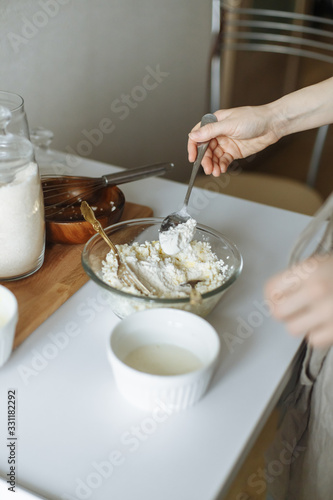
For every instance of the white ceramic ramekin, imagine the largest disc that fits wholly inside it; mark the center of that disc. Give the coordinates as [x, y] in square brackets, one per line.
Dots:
[163, 326]
[8, 321]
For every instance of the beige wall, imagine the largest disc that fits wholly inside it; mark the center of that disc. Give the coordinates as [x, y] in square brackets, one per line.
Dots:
[134, 69]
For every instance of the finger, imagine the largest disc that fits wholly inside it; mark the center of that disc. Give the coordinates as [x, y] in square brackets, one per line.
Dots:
[220, 158]
[208, 160]
[206, 133]
[293, 278]
[196, 127]
[306, 295]
[281, 284]
[211, 161]
[220, 164]
[192, 146]
[293, 305]
[320, 313]
[281, 292]
[229, 145]
[225, 161]
[216, 170]
[192, 150]
[207, 164]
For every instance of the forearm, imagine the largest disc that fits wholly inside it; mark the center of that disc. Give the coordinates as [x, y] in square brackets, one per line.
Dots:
[307, 108]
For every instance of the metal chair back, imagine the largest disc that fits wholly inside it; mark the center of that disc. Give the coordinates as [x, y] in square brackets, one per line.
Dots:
[297, 35]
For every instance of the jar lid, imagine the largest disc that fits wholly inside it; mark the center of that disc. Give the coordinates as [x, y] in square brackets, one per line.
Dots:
[41, 137]
[15, 151]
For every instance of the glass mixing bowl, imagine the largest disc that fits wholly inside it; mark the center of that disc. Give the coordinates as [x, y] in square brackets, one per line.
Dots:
[142, 230]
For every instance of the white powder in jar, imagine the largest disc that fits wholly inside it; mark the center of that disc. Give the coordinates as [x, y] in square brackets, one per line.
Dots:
[22, 227]
[165, 273]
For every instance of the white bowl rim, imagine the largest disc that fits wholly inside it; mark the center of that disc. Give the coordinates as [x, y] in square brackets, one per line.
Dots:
[159, 300]
[172, 378]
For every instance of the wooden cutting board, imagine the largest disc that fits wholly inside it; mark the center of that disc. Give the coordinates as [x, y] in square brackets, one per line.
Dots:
[60, 276]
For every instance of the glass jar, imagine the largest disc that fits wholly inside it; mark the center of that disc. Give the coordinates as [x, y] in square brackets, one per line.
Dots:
[19, 123]
[22, 225]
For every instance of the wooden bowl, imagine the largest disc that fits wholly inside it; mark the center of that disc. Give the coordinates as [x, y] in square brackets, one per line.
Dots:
[69, 227]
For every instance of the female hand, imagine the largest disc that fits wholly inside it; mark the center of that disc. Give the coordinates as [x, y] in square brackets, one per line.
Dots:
[302, 297]
[243, 131]
[239, 132]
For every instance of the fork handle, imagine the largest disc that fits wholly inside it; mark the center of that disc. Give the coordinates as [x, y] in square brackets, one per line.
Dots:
[99, 229]
[202, 147]
[89, 216]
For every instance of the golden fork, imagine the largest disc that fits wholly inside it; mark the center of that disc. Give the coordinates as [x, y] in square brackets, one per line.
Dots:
[126, 274]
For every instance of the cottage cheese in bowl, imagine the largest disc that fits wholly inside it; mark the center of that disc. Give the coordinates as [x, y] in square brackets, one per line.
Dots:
[177, 238]
[167, 273]
[210, 258]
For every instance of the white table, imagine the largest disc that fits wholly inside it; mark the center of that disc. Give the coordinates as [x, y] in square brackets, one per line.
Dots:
[72, 424]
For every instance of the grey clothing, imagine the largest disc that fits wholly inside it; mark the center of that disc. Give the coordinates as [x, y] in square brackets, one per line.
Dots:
[300, 462]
